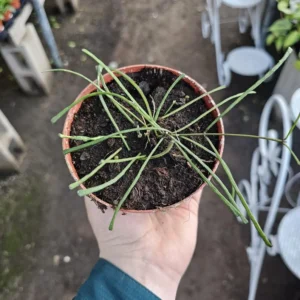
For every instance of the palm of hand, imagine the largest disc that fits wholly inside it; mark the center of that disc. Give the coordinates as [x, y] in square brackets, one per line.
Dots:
[143, 244]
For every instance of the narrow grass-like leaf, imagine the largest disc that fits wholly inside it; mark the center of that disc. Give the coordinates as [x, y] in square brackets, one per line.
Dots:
[193, 101]
[126, 194]
[104, 138]
[170, 107]
[126, 159]
[106, 109]
[80, 138]
[210, 110]
[209, 183]
[100, 187]
[166, 96]
[240, 195]
[292, 153]
[123, 110]
[214, 176]
[86, 177]
[66, 109]
[74, 73]
[251, 136]
[166, 151]
[253, 87]
[135, 85]
[293, 127]
[133, 101]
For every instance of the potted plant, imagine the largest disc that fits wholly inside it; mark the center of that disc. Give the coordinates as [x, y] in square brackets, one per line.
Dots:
[145, 137]
[284, 33]
[7, 10]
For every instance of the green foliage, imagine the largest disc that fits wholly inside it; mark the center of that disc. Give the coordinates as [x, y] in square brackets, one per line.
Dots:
[151, 125]
[5, 5]
[285, 32]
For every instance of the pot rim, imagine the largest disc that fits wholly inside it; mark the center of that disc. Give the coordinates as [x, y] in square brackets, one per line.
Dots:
[134, 69]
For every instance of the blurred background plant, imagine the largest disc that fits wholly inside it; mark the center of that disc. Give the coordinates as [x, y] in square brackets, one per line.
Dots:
[285, 32]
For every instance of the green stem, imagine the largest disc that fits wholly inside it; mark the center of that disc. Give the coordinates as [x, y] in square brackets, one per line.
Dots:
[100, 187]
[170, 107]
[166, 96]
[116, 103]
[86, 177]
[253, 87]
[231, 134]
[106, 109]
[209, 111]
[193, 101]
[209, 183]
[293, 127]
[133, 83]
[241, 197]
[126, 194]
[102, 138]
[135, 104]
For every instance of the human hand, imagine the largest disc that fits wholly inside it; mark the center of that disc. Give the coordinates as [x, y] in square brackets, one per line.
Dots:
[153, 248]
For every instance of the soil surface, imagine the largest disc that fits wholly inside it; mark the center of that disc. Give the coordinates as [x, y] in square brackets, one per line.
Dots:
[165, 180]
[164, 32]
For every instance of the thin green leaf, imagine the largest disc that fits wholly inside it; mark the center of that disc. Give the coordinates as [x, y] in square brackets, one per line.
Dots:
[74, 73]
[97, 169]
[126, 194]
[240, 195]
[66, 109]
[133, 83]
[81, 138]
[104, 138]
[133, 101]
[193, 101]
[232, 134]
[214, 176]
[100, 187]
[166, 95]
[122, 109]
[209, 183]
[292, 153]
[106, 109]
[253, 87]
[210, 110]
[293, 127]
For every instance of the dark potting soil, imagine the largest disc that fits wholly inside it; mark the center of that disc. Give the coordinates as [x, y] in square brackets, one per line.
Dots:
[166, 180]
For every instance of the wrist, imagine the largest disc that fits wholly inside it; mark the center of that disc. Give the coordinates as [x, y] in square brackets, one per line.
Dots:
[161, 282]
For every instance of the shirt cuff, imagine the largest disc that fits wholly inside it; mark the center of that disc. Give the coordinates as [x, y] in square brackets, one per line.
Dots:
[107, 282]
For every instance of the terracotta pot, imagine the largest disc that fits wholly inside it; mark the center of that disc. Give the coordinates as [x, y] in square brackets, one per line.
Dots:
[133, 69]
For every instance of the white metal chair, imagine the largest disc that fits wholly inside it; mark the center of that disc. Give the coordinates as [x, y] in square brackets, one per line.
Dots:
[271, 162]
[247, 61]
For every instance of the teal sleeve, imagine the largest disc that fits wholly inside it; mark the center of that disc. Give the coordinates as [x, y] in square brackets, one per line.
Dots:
[107, 282]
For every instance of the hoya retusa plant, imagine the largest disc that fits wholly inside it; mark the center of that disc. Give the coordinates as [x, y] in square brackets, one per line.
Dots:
[147, 121]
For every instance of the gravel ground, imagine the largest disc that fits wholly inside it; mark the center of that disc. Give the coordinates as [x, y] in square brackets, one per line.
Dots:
[163, 32]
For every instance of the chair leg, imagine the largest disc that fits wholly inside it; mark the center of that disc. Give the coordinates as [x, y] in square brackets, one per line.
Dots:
[61, 6]
[28, 61]
[11, 147]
